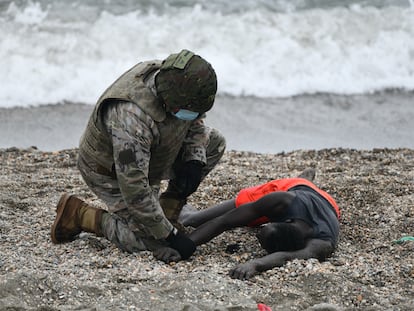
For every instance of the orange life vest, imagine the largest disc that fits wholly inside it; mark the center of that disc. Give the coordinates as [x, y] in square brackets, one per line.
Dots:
[252, 194]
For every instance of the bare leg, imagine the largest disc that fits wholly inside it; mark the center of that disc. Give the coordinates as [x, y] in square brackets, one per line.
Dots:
[308, 174]
[189, 216]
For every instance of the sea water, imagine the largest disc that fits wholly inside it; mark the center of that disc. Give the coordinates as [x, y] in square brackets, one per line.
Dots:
[57, 50]
[54, 51]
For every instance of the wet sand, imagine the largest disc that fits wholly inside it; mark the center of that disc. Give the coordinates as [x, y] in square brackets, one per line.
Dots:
[250, 124]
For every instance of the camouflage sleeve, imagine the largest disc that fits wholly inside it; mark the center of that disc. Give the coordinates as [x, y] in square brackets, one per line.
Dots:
[132, 134]
[196, 140]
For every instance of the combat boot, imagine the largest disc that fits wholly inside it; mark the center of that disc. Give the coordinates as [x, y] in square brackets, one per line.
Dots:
[172, 205]
[74, 216]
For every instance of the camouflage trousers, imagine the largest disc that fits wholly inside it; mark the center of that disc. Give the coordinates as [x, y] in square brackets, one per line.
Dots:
[117, 225]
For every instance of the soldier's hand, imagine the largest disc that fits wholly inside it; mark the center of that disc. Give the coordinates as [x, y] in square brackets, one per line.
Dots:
[188, 177]
[180, 242]
[167, 254]
[244, 271]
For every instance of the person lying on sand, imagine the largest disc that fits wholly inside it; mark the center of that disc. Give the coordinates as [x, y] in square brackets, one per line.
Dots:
[298, 220]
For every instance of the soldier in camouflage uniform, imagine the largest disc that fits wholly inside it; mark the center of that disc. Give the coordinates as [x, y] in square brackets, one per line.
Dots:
[147, 126]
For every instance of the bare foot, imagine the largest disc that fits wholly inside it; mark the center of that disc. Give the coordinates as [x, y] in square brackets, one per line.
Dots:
[185, 217]
[308, 174]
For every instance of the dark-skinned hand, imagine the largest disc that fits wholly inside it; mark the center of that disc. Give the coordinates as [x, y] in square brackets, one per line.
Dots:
[244, 271]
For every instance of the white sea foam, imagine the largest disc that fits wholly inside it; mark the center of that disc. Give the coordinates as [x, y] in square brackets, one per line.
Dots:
[47, 57]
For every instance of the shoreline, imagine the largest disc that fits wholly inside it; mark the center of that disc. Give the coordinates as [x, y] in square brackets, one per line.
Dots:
[264, 125]
[368, 271]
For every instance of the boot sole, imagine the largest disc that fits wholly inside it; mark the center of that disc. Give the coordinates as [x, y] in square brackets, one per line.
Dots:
[60, 208]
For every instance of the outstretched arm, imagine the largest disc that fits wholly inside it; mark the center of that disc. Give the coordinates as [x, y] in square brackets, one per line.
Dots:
[270, 205]
[315, 248]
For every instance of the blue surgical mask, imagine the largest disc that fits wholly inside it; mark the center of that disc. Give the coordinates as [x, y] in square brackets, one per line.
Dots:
[186, 115]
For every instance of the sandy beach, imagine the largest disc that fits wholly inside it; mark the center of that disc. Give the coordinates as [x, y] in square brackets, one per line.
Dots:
[323, 84]
[368, 270]
[380, 120]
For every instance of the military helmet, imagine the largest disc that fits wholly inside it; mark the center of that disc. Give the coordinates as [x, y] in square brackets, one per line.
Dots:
[187, 81]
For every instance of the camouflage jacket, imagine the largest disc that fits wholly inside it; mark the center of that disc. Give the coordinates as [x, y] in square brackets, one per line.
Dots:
[144, 157]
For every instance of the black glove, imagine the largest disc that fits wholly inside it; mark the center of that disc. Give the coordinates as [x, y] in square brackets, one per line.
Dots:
[180, 242]
[167, 254]
[188, 178]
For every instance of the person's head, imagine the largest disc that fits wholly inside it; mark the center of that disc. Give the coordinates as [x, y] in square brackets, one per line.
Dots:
[186, 81]
[276, 237]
